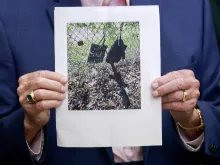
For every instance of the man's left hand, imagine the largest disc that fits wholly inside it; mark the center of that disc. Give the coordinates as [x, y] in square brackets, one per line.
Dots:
[171, 88]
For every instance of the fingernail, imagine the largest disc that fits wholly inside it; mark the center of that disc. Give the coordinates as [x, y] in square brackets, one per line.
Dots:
[64, 79]
[155, 93]
[155, 85]
[64, 88]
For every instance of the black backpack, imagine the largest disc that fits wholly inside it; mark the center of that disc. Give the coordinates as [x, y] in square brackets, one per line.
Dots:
[97, 51]
[117, 51]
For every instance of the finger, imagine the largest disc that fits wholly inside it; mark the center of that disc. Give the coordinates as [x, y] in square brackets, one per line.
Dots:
[41, 83]
[44, 83]
[47, 104]
[178, 96]
[45, 74]
[41, 106]
[43, 94]
[172, 76]
[23, 92]
[21, 89]
[180, 106]
[172, 86]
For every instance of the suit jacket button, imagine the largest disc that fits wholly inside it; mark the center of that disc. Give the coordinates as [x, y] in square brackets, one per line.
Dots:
[213, 148]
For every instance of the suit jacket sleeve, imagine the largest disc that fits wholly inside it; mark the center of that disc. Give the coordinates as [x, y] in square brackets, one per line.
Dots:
[208, 72]
[12, 140]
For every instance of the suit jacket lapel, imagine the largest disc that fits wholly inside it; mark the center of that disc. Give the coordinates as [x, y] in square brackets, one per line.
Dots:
[110, 154]
[145, 151]
[60, 3]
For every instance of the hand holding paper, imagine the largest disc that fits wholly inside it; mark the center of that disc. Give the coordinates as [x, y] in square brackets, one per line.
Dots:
[47, 90]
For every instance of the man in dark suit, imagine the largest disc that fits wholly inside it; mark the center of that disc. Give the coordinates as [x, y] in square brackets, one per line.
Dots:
[189, 87]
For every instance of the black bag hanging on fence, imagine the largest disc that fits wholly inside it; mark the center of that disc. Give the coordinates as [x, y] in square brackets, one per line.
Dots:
[97, 51]
[117, 51]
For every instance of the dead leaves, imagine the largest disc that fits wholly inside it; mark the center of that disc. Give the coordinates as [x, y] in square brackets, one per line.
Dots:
[96, 88]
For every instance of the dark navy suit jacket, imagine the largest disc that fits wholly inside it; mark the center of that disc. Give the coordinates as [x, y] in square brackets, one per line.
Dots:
[27, 44]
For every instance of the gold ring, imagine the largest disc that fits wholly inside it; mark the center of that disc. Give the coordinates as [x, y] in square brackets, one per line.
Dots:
[30, 98]
[184, 95]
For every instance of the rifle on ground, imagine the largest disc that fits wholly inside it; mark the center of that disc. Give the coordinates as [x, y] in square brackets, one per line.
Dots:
[122, 85]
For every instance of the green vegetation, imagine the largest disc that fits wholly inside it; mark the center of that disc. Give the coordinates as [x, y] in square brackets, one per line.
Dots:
[93, 33]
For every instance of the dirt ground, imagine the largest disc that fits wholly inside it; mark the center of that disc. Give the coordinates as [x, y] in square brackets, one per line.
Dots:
[96, 89]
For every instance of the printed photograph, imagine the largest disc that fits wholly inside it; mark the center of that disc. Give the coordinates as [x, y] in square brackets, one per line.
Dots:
[104, 66]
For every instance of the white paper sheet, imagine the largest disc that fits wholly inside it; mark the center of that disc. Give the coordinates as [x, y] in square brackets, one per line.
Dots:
[115, 128]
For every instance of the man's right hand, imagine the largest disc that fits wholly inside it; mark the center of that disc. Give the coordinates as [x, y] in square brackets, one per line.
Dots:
[49, 92]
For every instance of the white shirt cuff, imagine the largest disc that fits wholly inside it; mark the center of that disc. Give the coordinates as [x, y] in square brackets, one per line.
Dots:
[193, 145]
[36, 147]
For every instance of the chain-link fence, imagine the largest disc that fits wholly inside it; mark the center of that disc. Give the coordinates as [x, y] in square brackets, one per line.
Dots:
[90, 83]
